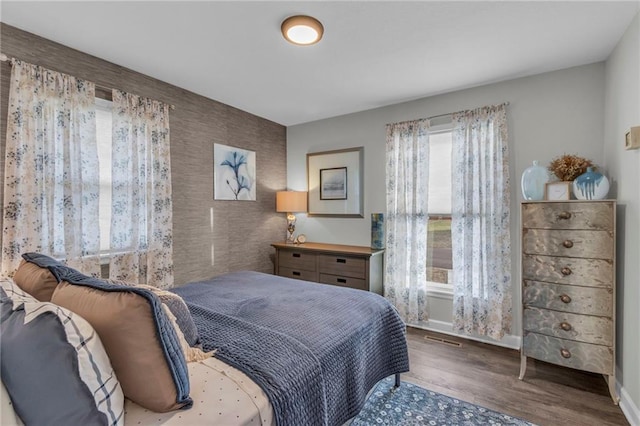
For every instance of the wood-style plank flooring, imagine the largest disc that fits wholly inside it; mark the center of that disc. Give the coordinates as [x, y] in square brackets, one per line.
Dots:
[487, 375]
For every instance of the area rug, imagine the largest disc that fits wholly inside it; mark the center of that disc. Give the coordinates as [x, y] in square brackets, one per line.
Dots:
[411, 405]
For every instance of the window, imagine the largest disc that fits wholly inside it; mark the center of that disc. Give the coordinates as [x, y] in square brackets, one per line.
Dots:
[103, 136]
[439, 262]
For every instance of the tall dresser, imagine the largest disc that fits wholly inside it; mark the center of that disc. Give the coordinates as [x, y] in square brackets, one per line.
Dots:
[568, 285]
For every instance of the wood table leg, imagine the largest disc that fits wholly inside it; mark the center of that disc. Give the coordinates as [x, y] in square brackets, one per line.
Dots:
[523, 366]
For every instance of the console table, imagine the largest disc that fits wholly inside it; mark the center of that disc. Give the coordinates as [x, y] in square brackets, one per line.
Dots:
[347, 266]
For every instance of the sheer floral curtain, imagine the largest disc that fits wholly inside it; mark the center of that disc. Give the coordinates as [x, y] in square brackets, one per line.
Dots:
[141, 218]
[480, 223]
[51, 182]
[407, 157]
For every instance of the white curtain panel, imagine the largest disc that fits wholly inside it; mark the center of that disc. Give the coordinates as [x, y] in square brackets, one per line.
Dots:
[480, 223]
[407, 157]
[141, 221]
[51, 181]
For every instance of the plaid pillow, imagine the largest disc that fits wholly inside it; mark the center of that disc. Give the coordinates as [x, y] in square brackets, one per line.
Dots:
[54, 365]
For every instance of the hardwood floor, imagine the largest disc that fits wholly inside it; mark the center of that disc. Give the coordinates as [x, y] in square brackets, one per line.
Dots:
[487, 375]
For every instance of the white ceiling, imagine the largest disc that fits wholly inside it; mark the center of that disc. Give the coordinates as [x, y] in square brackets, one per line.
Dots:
[372, 54]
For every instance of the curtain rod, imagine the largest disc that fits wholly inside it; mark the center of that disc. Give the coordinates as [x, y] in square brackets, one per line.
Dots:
[5, 58]
[444, 115]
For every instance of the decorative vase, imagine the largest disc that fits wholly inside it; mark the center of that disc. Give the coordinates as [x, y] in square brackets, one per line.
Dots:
[591, 185]
[377, 230]
[533, 180]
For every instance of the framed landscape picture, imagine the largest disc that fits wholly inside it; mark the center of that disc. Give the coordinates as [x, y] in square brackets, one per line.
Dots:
[336, 183]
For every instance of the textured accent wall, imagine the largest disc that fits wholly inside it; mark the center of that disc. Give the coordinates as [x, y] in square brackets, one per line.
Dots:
[210, 237]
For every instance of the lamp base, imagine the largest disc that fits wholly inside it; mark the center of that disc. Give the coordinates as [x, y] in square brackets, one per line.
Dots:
[291, 229]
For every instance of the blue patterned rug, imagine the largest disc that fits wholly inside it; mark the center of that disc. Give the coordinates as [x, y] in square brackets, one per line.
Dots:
[411, 405]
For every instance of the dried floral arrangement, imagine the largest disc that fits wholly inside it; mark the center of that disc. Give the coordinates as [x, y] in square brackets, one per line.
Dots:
[568, 167]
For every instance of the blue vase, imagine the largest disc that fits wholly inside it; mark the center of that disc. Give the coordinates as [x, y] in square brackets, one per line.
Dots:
[533, 180]
[377, 230]
[591, 185]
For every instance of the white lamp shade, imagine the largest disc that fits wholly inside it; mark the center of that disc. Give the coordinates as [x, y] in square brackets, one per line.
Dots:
[291, 201]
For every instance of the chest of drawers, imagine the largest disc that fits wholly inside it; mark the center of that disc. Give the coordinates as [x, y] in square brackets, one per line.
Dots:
[568, 285]
[346, 266]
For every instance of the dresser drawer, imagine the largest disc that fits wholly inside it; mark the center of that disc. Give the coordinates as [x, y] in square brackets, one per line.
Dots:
[581, 328]
[568, 298]
[585, 244]
[299, 274]
[592, 216]
[568, 270]
[342, 265]
[343, 281]
[297, 260]
[583, 356]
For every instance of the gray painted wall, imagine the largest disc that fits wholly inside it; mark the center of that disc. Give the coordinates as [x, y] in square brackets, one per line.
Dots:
[210, 237]
[622, 108]
[549, 114]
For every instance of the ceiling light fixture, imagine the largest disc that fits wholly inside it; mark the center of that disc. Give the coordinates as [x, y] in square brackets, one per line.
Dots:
[302, 30]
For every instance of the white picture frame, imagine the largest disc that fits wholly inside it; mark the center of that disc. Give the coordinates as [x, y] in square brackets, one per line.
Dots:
[557, 191]
[234, 173]
[343, 173]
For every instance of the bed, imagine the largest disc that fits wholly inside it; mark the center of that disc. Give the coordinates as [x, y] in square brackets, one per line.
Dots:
[287, 352]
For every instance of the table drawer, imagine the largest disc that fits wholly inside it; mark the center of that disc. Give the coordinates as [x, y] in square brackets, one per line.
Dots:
[346, 266]
[299, 274]
[568, 298]
[583, 356]
[585, 244]
[343, 281]
[297, 260]
[568, 270]
[581, 328]
[592, 216]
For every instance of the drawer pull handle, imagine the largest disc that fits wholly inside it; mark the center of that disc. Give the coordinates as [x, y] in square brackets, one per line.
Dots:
[341, 280]
[565, 353]
[566, 271]
[341, 260]
[567, 243]
[564, 215]
[565, 326]
[296, 273]
[565, 298]
[296, 254]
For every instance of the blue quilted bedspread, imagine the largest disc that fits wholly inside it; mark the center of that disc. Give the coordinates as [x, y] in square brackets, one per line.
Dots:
[316, 350]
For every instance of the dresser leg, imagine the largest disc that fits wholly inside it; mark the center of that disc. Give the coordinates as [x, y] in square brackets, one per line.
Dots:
[611, 381]
[523, 366]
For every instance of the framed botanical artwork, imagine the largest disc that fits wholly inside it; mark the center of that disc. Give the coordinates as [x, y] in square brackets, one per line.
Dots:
[554, 191]
[234, 173]
[336, 183]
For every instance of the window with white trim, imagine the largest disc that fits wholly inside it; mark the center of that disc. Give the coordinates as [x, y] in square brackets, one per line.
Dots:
[103, 136]
[439, 262]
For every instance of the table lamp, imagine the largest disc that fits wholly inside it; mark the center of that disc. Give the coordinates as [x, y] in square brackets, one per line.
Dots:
[291, 202]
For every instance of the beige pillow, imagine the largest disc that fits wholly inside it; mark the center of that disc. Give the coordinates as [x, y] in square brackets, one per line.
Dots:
[38, 282]
[124, 321]
[190, 354]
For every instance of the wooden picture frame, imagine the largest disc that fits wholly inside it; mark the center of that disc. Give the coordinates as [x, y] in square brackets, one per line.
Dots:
[342, 173]
[557, 191]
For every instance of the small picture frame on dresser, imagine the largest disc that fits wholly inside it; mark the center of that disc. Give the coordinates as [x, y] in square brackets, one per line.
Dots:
[557, 191]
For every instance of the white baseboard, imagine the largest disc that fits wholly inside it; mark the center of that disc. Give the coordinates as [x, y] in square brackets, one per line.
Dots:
[628, 407]
[509, 341]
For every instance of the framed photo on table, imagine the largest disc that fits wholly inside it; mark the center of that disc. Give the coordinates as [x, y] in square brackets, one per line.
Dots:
[336, 183]
[557, 191]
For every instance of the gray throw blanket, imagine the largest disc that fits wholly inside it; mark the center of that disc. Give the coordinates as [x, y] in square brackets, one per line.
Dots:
[316, 350]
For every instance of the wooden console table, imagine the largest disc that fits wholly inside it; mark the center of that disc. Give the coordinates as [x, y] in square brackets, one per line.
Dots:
[347, 266]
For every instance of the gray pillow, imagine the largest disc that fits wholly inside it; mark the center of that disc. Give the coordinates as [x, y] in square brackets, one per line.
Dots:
[53, 364]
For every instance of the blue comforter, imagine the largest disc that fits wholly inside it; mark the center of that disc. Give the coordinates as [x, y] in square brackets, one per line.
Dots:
[316, 350]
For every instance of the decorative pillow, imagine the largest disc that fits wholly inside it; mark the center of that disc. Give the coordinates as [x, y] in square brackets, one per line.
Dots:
[35, 280]
[178, 308]
[138, 337]
[191, 354]
[53, 364]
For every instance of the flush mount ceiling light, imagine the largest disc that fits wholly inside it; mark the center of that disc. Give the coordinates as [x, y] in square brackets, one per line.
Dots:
[302, 30]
